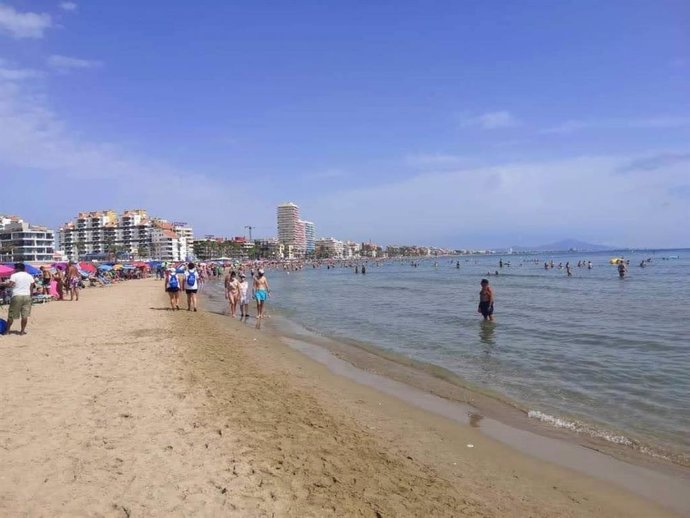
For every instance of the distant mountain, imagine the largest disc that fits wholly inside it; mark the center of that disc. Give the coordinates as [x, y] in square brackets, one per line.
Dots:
[564, 246]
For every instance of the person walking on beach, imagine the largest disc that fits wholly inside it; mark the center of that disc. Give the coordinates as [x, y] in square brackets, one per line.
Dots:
[245, 296]
[172, 288]
[73, 278]
[232, 292]
[20, 303]
[261, 292]
[486, 301]
[191, 286]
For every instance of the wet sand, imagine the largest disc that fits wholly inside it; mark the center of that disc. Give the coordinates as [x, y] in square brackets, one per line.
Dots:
[114, 406]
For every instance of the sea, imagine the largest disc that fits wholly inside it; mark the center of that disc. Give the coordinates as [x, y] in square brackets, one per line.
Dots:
[591, 353]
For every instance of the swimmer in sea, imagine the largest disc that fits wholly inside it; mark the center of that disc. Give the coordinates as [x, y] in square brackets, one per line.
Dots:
[622, 269]
[486, 301]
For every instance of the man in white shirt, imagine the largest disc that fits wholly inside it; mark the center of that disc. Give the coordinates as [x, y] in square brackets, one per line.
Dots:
[20, 304]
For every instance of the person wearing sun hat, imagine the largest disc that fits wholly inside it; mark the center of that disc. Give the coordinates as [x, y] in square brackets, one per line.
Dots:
[245, 296]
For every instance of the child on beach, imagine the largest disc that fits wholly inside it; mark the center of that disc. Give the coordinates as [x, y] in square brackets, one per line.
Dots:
[245, 296]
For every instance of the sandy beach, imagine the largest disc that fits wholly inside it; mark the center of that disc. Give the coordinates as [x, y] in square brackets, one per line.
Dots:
[114, 406]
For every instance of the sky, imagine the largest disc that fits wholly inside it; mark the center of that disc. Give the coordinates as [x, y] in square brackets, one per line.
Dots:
[456, 124]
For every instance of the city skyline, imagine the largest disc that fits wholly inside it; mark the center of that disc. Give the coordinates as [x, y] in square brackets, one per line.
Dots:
[454, 125]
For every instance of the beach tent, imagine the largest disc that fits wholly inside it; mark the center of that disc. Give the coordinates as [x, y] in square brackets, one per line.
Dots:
[87, 267]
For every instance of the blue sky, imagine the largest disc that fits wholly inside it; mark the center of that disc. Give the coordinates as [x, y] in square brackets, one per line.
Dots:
[448, 123]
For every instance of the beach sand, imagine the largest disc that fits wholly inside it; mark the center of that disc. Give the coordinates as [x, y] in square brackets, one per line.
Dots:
[114, 406]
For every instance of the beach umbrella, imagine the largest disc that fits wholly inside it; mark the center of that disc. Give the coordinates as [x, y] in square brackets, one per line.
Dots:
[117, 267]
[5, 271]
[31, 270]
[59, 266]
[105, 267]
[87, 267]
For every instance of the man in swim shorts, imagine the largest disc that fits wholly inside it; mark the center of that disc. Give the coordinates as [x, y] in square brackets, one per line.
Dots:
[486, 301]
[261, 292]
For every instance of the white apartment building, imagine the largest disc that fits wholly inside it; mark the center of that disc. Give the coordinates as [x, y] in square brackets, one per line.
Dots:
[291, 229]
[351, 249]
[23, 242]
[329, 247]
[103, 232]
[309, 236]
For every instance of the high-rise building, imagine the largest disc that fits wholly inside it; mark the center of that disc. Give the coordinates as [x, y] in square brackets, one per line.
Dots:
[309, 236]
[291, 230]
[22, 242]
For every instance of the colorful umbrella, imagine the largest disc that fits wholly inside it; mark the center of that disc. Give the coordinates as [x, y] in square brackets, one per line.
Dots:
[5, 271]
[87, 267]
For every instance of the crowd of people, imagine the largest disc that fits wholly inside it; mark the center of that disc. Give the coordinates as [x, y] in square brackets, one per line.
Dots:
[239, 292]
[28, 285]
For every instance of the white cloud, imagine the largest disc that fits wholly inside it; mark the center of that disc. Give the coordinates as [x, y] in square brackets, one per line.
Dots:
[68, 6]
[433, 159]
[65, 63]
[580, 196]
[17, 74]
[491, 120]
[36, 141]
[23, 25]
[659, 122]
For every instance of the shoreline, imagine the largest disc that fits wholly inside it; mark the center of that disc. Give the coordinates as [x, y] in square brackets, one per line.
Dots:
[114, 406]
[419, 384]
[448, 385]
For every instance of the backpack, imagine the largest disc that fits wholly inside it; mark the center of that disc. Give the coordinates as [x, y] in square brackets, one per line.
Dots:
[191, 279]
[173, 281]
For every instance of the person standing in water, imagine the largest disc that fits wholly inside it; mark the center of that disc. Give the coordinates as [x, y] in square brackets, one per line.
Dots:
[622, 269]
[261, 291]
[486, 301]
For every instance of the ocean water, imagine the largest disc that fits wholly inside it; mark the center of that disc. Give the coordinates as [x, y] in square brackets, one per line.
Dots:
[591, 352]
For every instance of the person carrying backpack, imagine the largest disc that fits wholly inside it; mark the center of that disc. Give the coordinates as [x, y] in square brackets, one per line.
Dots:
[172, 287]
[191, 286]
